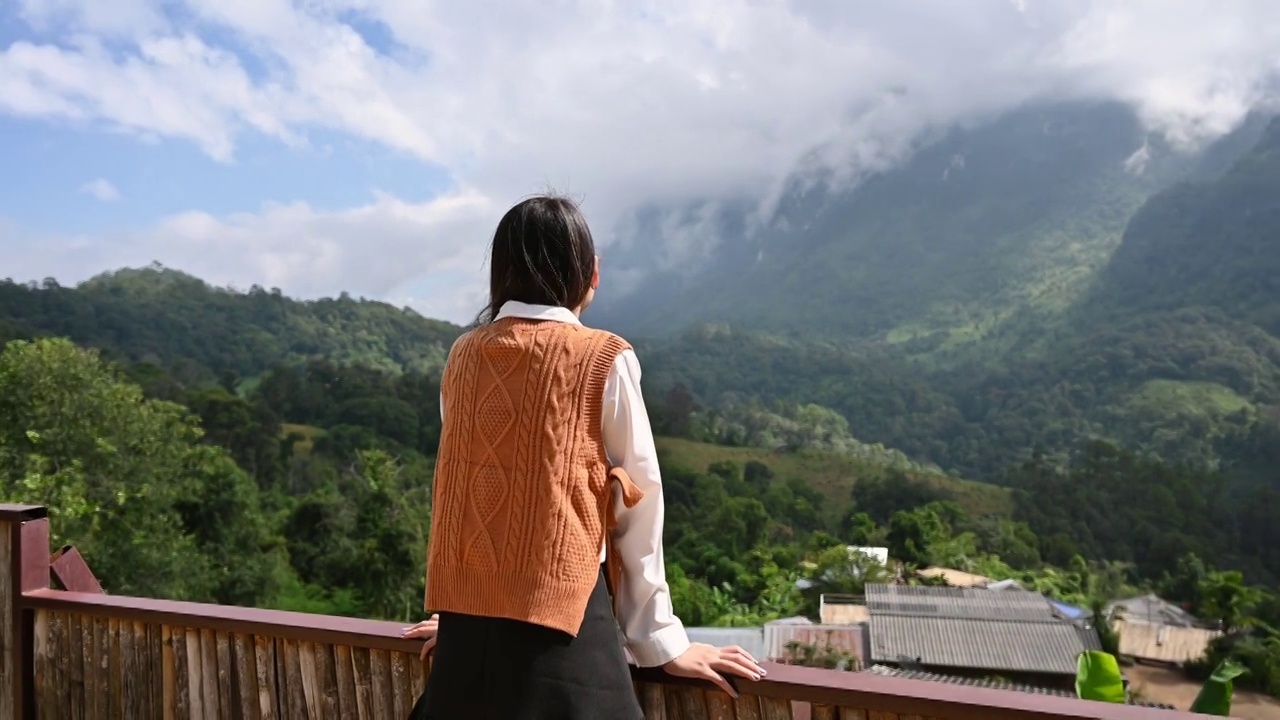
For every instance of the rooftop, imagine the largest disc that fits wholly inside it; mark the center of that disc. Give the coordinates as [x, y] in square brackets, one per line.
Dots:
[1163, 643]
[1151, 609]
[974, 629]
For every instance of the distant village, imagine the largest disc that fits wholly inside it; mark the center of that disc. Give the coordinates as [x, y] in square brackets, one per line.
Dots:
[959, 628]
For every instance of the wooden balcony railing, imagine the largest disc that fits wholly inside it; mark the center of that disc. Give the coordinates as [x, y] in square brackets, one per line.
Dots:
[71, 652]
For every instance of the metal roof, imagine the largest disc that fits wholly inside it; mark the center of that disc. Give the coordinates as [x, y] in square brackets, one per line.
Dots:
[1151, 609]
[972, 628]
[1163, 643]
[990, 683]
[1050, 647]
[975, 603]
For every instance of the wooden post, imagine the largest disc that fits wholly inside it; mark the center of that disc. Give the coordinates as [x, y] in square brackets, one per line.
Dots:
[24, 566]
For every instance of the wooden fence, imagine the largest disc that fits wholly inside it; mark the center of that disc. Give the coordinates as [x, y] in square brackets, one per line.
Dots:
[71, 652]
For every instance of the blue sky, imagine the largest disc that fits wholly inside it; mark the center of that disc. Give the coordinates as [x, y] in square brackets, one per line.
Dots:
[371, 145]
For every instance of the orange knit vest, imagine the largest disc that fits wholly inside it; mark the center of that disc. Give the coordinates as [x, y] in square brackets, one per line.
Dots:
[522, 496]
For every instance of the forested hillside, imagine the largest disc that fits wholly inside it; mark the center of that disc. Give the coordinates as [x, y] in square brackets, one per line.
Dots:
[307, 486]
[1167, 344]
[167, 317]
[986, 230]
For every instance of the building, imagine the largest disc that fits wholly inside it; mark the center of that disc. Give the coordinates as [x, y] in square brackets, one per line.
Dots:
[975, 633]
[1155, 630]
[789, 639]
[1150, 609]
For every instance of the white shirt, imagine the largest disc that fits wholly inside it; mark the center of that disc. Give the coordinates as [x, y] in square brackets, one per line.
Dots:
[654, 635]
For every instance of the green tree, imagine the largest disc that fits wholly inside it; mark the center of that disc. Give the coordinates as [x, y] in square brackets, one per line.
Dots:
[127, 480]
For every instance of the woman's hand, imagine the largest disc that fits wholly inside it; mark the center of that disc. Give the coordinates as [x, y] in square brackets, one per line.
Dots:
[426, 630]
[707, 662]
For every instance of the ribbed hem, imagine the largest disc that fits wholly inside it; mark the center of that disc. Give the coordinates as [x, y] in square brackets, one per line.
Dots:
[661, 647]
[535, 598]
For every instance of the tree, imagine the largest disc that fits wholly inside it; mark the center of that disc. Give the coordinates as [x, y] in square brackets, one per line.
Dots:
[1227, 600]
[127, 480]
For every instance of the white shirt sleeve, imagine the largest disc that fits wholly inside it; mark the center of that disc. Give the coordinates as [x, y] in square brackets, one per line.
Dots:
[655, 636]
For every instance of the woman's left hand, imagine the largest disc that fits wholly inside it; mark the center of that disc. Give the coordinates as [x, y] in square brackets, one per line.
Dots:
[425, 630]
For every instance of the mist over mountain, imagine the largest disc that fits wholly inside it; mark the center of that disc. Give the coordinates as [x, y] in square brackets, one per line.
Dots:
[980, 226]
[1055, 274]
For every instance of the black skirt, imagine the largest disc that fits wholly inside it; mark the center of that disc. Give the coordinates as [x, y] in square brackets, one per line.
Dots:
[498, 669]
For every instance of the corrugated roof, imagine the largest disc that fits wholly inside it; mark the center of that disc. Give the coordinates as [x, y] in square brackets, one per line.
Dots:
[920, 601]
[1033, 647]
[992, 684]
[844, 638]
[972, 628]
[1151, 609]
[1163, 643]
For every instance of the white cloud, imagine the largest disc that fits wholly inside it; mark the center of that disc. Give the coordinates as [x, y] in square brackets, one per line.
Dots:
[628, 104]
[375, 250]
[101, 189]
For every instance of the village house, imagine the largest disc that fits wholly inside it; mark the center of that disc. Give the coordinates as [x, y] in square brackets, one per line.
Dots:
[977, 633]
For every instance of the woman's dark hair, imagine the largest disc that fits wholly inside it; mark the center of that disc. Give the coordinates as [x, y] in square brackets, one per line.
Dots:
[542, 254]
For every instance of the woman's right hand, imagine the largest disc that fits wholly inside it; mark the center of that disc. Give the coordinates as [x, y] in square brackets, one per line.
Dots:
[425, 630]
[707, 662]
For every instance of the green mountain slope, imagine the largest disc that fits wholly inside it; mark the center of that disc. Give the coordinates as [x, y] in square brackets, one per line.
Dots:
[834, 475]
[1212, 244]
[981, 226]
[1172, 349]
[166, 317]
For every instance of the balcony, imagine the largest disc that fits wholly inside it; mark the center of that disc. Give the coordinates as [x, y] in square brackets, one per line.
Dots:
[70, 651]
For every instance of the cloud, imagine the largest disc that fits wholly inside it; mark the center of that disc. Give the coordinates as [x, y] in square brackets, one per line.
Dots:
[101, 189]
[662, 103]
[375, 250]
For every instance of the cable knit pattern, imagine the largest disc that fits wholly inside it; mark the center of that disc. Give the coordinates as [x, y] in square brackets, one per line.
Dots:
[522, 484]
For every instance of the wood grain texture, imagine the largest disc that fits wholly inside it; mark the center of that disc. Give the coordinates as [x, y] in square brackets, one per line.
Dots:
[244, 676]
[401, 703]
[44, 659]
[720, 706]
[265, 667]
[823, 712]
[653, 701]
[8, 641]
[380, 679]
[327, 681]
[848, 713]
[748, 707]
[775, 709]
[89, 668]
[362, 680]
[691, 703]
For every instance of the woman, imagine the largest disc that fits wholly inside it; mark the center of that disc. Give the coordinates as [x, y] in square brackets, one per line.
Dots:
[547, 501]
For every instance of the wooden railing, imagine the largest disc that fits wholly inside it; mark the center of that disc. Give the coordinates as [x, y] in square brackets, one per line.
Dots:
[71, 652]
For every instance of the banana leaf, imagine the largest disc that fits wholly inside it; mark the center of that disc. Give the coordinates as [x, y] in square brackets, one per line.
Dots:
[1098, 678]
[1215, 696]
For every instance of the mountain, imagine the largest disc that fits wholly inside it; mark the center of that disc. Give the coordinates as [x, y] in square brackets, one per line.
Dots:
[167, 317]
[1213, 244]
[1160, 331]
[980, 222]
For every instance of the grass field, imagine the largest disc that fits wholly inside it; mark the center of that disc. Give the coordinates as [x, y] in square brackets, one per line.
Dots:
[309, 434]
[833, 475]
